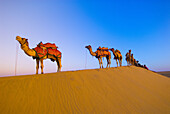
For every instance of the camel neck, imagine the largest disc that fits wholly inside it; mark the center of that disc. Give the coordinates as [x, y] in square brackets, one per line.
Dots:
[114, 53]
[27, 50]
[91, 52]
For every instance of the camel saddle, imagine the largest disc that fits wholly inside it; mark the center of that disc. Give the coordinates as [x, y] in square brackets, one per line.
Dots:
[47, 45]
[102, 51]
[103, 48]
[46, 49]
[118, 51]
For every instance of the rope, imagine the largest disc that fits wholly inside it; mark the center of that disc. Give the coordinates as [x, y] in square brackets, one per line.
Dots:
[86, 59]
[16, 59]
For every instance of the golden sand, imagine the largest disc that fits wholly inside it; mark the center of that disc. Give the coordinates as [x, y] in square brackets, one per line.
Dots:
[112, 90]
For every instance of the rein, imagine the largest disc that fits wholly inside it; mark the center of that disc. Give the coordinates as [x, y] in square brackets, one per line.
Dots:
[16, 59]
[22, 45]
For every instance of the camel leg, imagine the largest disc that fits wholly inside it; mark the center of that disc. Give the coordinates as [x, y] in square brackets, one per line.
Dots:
[107, 63]
[130, 59]
[132, 62]
[42, 66]
[117, 62]
[37, 65]
[128, 63]
[121, 62]
[59, 64]
[99, 62]
[127, 60]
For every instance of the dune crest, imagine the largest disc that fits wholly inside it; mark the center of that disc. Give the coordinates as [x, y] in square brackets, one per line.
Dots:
[113, 90]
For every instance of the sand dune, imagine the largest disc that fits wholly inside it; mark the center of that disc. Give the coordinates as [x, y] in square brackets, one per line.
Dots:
[113, 90]
[165, 73]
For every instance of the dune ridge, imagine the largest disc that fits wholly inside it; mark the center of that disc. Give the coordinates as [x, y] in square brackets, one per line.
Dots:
[111, 90]
[165, 73]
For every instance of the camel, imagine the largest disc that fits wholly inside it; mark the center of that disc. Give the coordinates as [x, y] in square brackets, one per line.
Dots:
[132, 59]
[99, 54]
[33, 53]
[135, 62]
[117, 56]
[128, 58]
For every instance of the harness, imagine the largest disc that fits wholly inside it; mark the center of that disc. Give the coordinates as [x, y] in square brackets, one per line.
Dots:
[22, 45]
[43, 50]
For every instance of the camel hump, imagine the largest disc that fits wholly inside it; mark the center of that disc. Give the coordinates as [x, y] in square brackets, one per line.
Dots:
[103, 48]
[43, 50]
[47, 45]
[118, 51]
[99, 48]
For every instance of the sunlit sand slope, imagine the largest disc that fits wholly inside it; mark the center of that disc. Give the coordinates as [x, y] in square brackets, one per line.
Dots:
[114, 90]
[166, 73]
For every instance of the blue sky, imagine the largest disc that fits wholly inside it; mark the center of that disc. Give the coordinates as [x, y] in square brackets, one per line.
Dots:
[142, 26]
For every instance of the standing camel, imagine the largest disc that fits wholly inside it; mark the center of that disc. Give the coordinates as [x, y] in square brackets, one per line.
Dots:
[99, 54]
[132, 59]
[55, 56]
[117, 56]
[128, 58]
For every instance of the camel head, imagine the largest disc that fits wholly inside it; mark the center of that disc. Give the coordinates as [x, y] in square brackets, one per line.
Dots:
[22, 40]
[127, 54]
[88, 47]
[112, 49]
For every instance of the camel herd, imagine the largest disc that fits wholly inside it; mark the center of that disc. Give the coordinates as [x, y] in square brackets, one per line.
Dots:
[104, 52]
[50, 51]
[131, 61]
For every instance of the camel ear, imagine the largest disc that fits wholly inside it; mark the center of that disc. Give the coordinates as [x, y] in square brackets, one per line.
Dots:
[26, 40]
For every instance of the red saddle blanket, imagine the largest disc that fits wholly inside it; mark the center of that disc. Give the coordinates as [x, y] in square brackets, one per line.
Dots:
[118, 51]
[43, 50]
[103, 48]
[47, 45]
